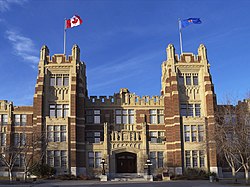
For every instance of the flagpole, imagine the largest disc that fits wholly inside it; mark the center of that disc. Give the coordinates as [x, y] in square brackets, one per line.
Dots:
[64, 39]
[180, 34]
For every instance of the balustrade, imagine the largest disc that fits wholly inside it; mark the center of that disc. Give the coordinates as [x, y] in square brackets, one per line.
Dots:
[131, 136]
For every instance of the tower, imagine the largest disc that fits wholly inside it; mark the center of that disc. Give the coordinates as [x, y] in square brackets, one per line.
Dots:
[189, 102]
[59, 109]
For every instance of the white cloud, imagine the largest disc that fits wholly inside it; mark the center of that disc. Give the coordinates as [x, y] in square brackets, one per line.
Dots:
[5, 4]
[23, 47]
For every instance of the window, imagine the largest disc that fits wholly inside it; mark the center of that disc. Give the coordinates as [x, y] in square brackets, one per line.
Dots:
[196, 132]
[58, 111]
[94, 137]
[160, 117]
[160, 159]
[20, 119]
[59, 80]
[50, 158]
[188, 80]
[16, 139]
[156, 136]
[65, 110]
[131, 116]
[3, 139]
[188, 158]
[23, 119]
[19, 139]
[63, 159]
[91, 158]
[195, 80]
[3, 119]
[98, 158]
[153, 136]
[19, 162]
[63, 133]
[57, 158]
[186, 133]
[156, 159]
[153, 116]
[124, 116]
[17, 120]
[56, 133]
[97, 136]
[118, 116]
[97, 116]
[52, 81]
[195, 158]
[190, 110]
[89, 116]
[93, 116]
[156, 116]
[50, 134]
[200, 133]
[202, 158]
[65, 81]
[52, 110]
[183, 110]
[230, 119]
[181, 80]
[197, 110]
[94, 159]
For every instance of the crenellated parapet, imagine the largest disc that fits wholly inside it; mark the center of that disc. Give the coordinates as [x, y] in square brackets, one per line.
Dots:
[59, 58]
[102, 100]
[125, 99]
[186, 57]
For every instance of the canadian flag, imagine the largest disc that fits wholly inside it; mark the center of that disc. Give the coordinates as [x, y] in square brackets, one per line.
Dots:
[73, 22]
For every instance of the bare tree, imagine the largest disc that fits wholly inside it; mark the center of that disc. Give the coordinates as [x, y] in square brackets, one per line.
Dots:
[225, 128]
[33, 152]
[233, 135]
[26, 150]
[242, 134]
[9, 156]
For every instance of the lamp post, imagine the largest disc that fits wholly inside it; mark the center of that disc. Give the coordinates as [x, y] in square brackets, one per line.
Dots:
[103, 163]
[148, 163]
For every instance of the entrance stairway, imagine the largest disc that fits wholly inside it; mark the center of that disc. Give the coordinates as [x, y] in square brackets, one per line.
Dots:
[128, 177]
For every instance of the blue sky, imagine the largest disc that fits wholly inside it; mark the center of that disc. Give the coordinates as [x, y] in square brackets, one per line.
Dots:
[123, 43]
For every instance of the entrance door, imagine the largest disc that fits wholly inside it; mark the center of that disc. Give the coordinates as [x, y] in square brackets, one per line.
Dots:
[126, 162]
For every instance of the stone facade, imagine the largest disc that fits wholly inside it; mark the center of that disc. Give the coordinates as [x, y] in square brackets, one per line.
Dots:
[124, 129]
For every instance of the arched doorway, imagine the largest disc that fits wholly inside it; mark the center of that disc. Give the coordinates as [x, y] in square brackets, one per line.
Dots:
[126, 162]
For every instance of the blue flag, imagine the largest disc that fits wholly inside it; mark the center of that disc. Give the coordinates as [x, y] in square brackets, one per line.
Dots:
[189, 21]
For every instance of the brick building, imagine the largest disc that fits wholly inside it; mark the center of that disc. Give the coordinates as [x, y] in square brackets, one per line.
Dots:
[125, 130]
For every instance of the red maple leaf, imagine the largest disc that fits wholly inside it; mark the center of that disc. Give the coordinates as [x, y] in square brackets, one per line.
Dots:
[75, 20]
